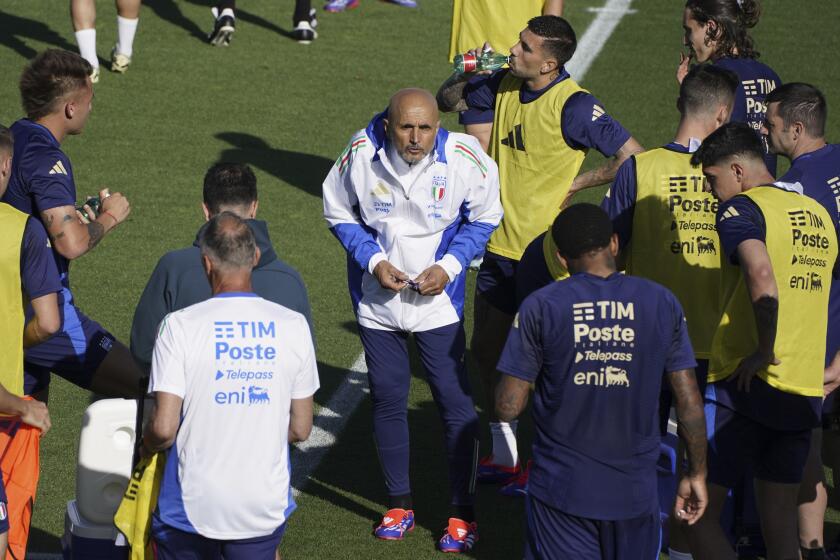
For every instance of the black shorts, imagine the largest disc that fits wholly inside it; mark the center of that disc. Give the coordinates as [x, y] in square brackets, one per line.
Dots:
[496, 282]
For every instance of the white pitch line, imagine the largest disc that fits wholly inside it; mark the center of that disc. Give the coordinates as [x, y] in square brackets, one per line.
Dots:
[329, 423]
[596, 36]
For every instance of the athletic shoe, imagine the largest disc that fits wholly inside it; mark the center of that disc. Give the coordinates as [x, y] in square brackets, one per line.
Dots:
[459, 536]
[395, 523]
[223, 29]
[491, 473]
[303, 33]
[119, 62]
[336, 6]
[403, 3]
[94, 76]
[313, 21]
[519, 485]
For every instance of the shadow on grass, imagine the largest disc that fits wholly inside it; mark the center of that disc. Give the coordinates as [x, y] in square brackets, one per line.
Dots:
[168, 10]
[303, 171]
[15, 30]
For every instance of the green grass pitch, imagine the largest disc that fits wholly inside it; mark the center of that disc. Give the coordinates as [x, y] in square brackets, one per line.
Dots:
[288, 110]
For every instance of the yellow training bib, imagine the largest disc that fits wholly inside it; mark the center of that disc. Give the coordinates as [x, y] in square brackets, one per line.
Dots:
[12, 225]
[802, 245]
[536, 165]
[674, 241]
[497, 21]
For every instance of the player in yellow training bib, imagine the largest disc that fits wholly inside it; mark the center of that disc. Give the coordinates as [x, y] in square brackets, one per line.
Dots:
[766, 373]
[665, 222]
[544, 124]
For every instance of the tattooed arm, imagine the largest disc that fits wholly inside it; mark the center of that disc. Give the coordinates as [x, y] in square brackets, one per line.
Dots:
[450, 96]
[691, 494]
[511, 397]
[71, 237]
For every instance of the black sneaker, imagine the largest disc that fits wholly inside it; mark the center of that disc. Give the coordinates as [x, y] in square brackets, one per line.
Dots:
[223, 29]
[303, 33]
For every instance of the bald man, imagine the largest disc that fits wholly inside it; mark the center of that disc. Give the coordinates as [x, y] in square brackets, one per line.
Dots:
[413, 204]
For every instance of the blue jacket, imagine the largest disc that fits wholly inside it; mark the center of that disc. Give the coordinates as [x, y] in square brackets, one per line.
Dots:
[178, 281]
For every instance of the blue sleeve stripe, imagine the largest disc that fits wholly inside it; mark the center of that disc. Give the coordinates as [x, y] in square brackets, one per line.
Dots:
[359, 241]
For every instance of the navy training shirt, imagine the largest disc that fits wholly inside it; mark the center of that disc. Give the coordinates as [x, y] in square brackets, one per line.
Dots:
[818, 173]
[580, 131]
[596, 349]
[42, 178]
[740, 219]
[757, 80]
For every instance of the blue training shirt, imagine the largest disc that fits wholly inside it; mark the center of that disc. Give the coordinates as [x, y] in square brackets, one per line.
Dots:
[740, 219]
[580, 131]
[818, 173]
[596, 349]
[42, 178]
[757, 81]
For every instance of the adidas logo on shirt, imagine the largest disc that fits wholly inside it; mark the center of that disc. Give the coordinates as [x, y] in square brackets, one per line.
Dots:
[58, 169]
[729, 213]
[597, 112]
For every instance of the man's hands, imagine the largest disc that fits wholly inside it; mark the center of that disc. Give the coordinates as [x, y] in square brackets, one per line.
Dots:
[430, 282]
[35, 414]
[114, 205]
[750, 366]
[692, 499]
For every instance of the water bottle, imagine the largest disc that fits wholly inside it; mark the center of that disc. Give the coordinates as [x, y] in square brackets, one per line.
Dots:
[487, 60]
[94, 202]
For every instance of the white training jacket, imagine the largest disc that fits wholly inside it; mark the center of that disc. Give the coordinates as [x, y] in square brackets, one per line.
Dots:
[443, 214]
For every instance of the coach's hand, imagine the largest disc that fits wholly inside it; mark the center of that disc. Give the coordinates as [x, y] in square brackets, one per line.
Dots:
[750, 366]
[389, 276]
[432, 281]
[692, 499]
[35, 414]
[114, 205]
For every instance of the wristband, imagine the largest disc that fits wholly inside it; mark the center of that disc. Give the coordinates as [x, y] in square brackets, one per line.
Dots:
[116, 221]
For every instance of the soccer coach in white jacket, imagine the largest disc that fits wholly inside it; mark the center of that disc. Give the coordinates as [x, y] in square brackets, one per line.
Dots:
[413, 204]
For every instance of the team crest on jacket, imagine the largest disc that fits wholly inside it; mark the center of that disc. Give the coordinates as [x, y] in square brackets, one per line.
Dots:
[438, 188]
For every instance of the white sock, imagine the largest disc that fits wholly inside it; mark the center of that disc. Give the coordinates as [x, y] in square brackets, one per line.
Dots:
[227, 12]
[505, 452]
[126, 28]
[675, 555]
[86, 39]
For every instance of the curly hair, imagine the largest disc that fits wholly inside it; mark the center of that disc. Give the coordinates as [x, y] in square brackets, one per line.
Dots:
[732, 19]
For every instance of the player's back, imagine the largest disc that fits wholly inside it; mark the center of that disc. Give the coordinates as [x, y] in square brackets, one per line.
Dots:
[606, 344]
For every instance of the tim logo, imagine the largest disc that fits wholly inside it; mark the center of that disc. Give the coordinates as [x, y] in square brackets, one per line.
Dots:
[834, 185]
[514, 139]
[257, 395]
[750, 87]
[705, 245]
[685, 183]
[583, 312]
[797, 218]
[245, 329]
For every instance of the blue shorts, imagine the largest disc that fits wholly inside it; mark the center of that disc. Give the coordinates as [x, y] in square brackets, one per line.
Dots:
[74, 353]
[4, 509]
[173, 544]
[554, 535]
[739, 445]
[496, 282]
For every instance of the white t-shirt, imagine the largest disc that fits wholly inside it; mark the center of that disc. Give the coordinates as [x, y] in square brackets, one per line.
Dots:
[237, 360]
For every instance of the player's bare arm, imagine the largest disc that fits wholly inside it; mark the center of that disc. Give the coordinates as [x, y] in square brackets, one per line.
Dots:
[71, 237]
[163, 426]
[300, 419]
[45, 322]
[511, 397]
[691, 494]
[450, 95]
[764, 294]
[553, 8]
[606, 172]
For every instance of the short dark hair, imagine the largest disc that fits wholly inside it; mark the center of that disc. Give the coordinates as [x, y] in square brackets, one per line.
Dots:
[49, 78]
[580, 229]
[705, 87]
[800, 102]
[229, 184]
[559, 38]
[733, 139]
[228, 241]
[6, 140]
[732, 18]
